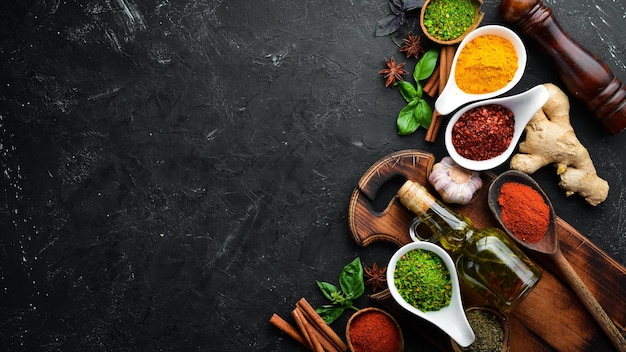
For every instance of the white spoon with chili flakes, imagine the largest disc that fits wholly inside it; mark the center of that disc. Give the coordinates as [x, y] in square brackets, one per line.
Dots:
[483, 135]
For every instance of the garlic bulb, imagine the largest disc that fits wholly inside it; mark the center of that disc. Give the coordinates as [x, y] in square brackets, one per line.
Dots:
[454, 183]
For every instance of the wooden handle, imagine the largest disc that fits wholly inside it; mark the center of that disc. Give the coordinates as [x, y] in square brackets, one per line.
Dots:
[590, 302]
[391, 224]
[585, 76]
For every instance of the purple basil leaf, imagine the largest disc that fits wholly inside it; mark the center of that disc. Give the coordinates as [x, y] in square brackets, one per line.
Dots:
[408, 5]
[396, 6]
[388, 25]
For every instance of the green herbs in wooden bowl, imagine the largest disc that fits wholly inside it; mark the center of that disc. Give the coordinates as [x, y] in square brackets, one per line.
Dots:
[449, 21]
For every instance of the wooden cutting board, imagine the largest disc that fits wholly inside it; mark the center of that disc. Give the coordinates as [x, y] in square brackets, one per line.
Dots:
[550, 318]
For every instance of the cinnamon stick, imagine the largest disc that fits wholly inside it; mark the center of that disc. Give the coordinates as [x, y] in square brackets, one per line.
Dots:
[445, 65]
[288, 329]
[316, 336]
[431, 87]
[435, 125]
[318, 339]
[307, 330]
[327, 345]
[296, 316]
[320, 325]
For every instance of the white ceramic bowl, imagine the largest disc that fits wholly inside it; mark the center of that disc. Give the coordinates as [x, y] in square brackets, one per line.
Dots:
[524, 107]
[451, 319]
[453, 97]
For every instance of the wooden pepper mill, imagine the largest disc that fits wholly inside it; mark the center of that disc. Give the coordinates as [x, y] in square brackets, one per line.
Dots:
[585, 76]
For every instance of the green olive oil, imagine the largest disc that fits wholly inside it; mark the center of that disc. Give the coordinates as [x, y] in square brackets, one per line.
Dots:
[486, 260]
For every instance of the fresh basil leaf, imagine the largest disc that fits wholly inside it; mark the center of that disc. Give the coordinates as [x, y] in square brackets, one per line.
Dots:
[406, 121]
[419, 90]
[388, 25]
[426, 65]
[407, 90]
[327, 289]
[423, 113]
[330, 313]
[351, 279]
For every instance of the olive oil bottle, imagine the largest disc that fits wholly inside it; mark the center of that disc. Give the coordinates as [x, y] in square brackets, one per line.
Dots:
[486, 259]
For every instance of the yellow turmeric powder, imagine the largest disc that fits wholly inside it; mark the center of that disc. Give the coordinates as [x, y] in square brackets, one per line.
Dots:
[486, 64]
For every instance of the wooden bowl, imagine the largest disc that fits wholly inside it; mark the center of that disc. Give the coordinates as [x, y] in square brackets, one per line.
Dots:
[372, 310]
[478, 17]
[506, 329]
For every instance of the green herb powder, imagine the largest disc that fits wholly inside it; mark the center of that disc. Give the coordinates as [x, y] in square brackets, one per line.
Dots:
[489, 335]
[423, 280]
[448, 19]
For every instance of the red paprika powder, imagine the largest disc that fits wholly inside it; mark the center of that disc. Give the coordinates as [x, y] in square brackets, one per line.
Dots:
[524, 211]
[373, 331]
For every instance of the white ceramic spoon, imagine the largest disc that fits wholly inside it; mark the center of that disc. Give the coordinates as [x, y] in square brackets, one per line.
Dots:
[452, 97]
[450, 319]
[524, 107]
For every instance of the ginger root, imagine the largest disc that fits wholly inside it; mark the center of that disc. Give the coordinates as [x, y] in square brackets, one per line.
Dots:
[550, 138]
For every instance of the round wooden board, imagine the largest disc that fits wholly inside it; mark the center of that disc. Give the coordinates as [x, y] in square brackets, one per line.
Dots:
[382, 179]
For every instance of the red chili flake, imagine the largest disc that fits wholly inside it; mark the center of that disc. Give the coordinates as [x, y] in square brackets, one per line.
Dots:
[483, 132]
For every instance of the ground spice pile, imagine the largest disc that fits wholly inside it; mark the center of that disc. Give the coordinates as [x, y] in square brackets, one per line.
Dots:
[423, 280]
[524, 212]
[483, 132]
[374, 332]
[486, 64]
[448, 20]
[488, 331]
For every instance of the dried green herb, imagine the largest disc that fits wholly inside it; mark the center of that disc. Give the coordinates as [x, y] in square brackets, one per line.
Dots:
[488, 331]
[448, 20]
[423, 280]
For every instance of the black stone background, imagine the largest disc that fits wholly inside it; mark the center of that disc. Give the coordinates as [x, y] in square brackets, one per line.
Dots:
[175, 171]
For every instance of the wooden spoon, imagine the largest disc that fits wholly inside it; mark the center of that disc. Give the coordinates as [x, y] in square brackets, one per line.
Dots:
[549, 246]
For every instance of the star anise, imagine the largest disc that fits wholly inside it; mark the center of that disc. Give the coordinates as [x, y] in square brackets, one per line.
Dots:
[375, 276]
[412, 46]
[393, 72]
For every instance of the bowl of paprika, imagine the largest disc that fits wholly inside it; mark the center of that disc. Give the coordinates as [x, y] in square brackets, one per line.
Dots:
[373, 329]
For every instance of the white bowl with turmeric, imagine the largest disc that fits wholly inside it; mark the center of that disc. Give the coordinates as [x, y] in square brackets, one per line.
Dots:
[489, 62]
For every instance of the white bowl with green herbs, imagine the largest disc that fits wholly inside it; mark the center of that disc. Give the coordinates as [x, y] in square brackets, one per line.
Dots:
[428, 271]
